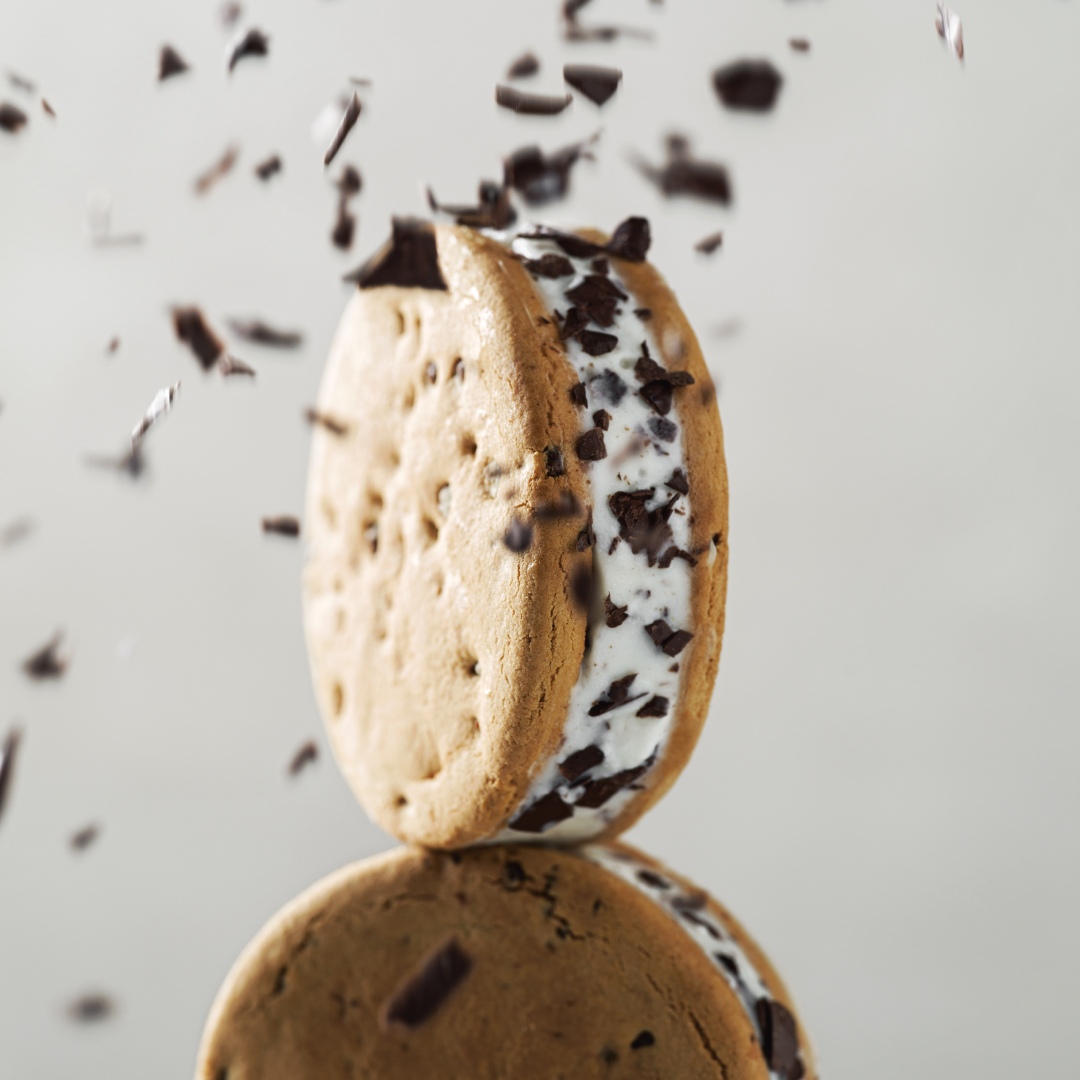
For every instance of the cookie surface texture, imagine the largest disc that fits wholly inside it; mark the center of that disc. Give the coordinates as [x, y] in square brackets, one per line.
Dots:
[498, 962]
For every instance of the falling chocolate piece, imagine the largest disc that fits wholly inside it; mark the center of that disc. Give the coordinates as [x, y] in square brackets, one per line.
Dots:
[91, 1008]
[709, 244]
[170, 63]
[518, 535]
[614, 615]
[132, 462]
[283, 525]
[265, 169]
[493, 209]
[553, 461]
[598, 84]
[544, 812]
[541, 178]
[685, 175]
[12, 118]
[306, 755]
[9, 750]
[580, 762]
[525, 65]
[348, 122]
[947, 24]
[573, 30]
[799, 44]
[49, 662]
[228, 364]
[529, 104]
[325, 420]
[192, 328]
[425, 990]
[779, 1038]
[253, 43]
[48, 109]
[750, 85]
[161, 404]
[630, 240]
[85, 836]
[222, 167]
[260, 333]
[408, 259]
[341, 236]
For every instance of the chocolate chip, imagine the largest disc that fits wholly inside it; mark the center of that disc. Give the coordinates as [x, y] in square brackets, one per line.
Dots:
[608, 387]
[653, 880]
[545, 811]
[255, 330]
[573, 323]
[306, 755]
[590, 446]
[541, 178]
[670, 642]
[253, 43]
[325, 420]
[600, 266]
[523, 66]
[586, 538]
[553, 458]
[659, 631]
[524, 104]
[644, 529]
[672, 553]
[598, 84]
[642, 1039]
[643, 313]
[580, 762]
[575, 246]
[518, 535]
[664, 430]
[729, 964]
[596, 342]
[9, 750]
[341, 236]
[646, 370]
[85, 836]
[614, 615]
[549, 266]
[581, 583]
[602, 419]
[678, 482]
[12, 118]
[492, 211]
[170, 63]
[578, 396]
[425, 990]
[229, 365]
[799, 44]
[265, 169]
[283, 525]
[693, 901]
[655, 706]
[618, 693]
[779, 1038]
[748, 84]
[677, 642]
[90, 1008]
[598, 792]
[220, 168]
[348, 122]
[682, 174]
[513, 873]
[658, 395]
[409, 259]
[707, 245]
[630, 240]
[49, 662]
[597, 296]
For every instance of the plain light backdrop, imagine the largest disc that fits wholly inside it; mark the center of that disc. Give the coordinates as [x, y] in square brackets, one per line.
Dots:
[886, 792]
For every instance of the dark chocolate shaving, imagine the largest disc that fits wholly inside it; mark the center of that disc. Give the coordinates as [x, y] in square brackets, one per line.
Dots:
[230, 365]
[586, 538]
[91, 1008]
[326, 421]
[653, 879]
[350, 182]
[409, 259]
[799, 44]
[192, 328]
[341, 236]
[779, 1038]
[308, 754]
[602, 419]
[9, 750]
[608, 387]
[132, 461]
[283, 525]
[12, 118]
[643, 529]
[748, 85]
[600, 266]
[659, 631]
[544, 812]
[598, 84]
[529, 104]
[678, 482]
[493, 209]
[260, 333]
[590, 445]
[48, 109]
[265, 169]
[524, 66]
[253, 43]
[549, 266]
[513, 874]
[596, 342]
[49, 662]
[614, 615]
[170, 63]
[618, 693]
[84, 837]
[598, 792]
[684, 175]
[630, 240]
[643, 313]
[671, 553]
[665, 430]
[707, 245]
[222, 167]
[729, 964]
[553, 460]
[518, 535]
[643, 1039]
[540, 178]
[575, 321]
[348, 122]
[573, 30]
[597, 296]
[580, 762]
[655, 706]
[578, 395]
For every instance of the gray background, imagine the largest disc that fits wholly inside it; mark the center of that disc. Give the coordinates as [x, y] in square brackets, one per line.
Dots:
[886, 792]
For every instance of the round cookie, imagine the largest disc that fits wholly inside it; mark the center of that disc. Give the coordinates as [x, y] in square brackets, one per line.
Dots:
[504, 962]
[518, 535]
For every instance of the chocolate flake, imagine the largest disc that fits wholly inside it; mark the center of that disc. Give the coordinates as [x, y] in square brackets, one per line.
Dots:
[729, 964]
[643, 1039]
[222, 167]
[665, 430]
[586, 538]
[598, 792]
[546, 811]
[659, 631]
[580, 762]
[602, 419]
[265, 169]
[326, 421]
[779, 1038]
[707, 245]
[682, 174]
[349, 184]
[630, 240]
[643, 529]
[230, 365]
[518, 535]
[409, 259]
[348, 121]
[549, 265]
[618, 693]
[608, 386]
[677, 642]
[132, 462]
[192, 328]
[493, 209]
[282, 525]
[48, 109]
[20, 82]
[614, 615]
[672, 553]
[424, 991]
[655, 706]
[750, 85]
[598, 84]
[596, 342]
[653, 880]
[575, 321]
[91, 1008]
[253, 43]
[529, 104]
[49, 662]
[161, 405]
[308, 754]
[577, 247]
[513, 874]
[260, 333]
[799, 44]
[947, 24]
[678, 482]
[170, 63]
[554, 464]
[578, 395]
[524, 66]
[590, 446]
[597, 296]
[9, 749]
[601, 266]
[643, 313]
[84, 837]
[12, 118]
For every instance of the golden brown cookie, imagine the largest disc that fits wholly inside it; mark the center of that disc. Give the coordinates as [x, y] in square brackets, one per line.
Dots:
[514, 597]
[504, 962]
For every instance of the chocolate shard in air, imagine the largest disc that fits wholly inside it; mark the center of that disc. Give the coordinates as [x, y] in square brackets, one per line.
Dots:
[265, 169]
[230, 365]
[492, 211]
[260, 333]
[524, 66]
[508, 97]
[326, 421]
[84, 837]
[282, 525]
[683, 174]
[750, 85]
[409, 259]
[192, 328]
[708, 244]
[170, 63]
[541, 178]
[423, 992]
[252, 43]
[12, 118]
[947, 24]
[159, 406]
[598, 84]
[630, 240]
[308, 754]
[49, 662]
[91, 1008]
[547, 810]
[220, 168]
[9, 750]
[799, 44]
[348, 122]
[779, 1038]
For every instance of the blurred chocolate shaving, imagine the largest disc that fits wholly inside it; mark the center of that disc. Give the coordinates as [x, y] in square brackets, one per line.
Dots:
[348, 122]
[227, 364]
[524, 66]
[265, 169]
[508, 97]
[14, 531]
[9, 750]
[12, 118]
[48, 109]
[170, 63]
[252, 43]
[326, 421]
[682, 174]
[799, 44]
[192, 328]
[84, 837]
[492, 211]
[598, 84]
[306, 755]
[229, 14]
[630, 240]
[359, 81]
[222, 167]
[349, 184]
[424, 990]
[708, 244]
[113, 346]
[409, 259]
[161, 404]
[518, 536]
[947, 24]
[283, 525]
[541, 178]
[132, 461]
[91, 1008]
[749, 85]
[260, 333]
[574, 30]
[20, 82]
[50, 661]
